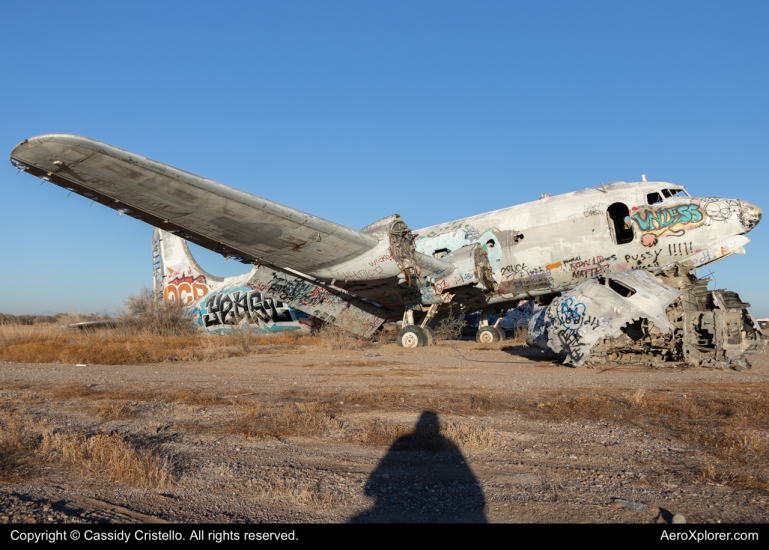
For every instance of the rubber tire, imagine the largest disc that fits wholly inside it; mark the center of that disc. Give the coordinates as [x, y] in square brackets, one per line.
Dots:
[430, 335]
[501, 332]
[487, 335]
[412, 336]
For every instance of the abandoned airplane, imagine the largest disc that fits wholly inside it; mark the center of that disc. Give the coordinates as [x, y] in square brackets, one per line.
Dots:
[611, 263]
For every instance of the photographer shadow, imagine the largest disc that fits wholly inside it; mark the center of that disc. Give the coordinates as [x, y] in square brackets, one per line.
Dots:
[423, 478]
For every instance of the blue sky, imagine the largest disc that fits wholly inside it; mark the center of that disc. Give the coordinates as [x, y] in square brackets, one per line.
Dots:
[356, 110]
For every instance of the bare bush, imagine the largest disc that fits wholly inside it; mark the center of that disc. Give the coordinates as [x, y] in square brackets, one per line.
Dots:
[146, 314]
[519, 336]
[335, 337]
[449, 327]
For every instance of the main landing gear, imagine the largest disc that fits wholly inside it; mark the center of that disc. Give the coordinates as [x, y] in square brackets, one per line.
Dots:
[489, 335]
[415, 336]
[419, 336]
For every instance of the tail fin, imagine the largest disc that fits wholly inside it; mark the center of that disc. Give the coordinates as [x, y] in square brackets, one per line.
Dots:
[177, 277]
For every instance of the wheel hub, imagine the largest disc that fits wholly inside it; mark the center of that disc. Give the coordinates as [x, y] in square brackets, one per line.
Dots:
[410, 340]
[487, 337]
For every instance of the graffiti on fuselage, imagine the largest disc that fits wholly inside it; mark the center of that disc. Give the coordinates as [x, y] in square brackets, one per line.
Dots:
[244, 307]
[455, 236]
[672, 220]
[185, 287]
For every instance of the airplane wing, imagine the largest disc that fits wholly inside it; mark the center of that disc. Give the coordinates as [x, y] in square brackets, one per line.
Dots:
[210, 214]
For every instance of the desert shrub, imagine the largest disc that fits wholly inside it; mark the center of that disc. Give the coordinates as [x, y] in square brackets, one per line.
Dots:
[449, 327]
[143, 313]
[339, 338]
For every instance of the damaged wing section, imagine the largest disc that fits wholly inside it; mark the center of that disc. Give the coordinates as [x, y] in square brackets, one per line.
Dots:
[637, 317]
[600, 308]
[228, 221]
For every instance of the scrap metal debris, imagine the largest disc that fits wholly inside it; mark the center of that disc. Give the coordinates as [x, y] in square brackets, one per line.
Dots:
[637, 317]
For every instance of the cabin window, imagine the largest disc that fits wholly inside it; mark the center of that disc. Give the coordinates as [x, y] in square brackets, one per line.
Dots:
[441, 253]
[623, 290]
[653, 198]
[620, 224]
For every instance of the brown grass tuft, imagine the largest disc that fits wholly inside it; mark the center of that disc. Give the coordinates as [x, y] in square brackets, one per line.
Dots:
[299, 492]
[279, 420]
[376, 433]
[381, 433]
[109, 456]
[25, 443]
[112, 410]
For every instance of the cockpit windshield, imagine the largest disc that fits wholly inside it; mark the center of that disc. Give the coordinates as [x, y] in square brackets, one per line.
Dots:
[659, 196]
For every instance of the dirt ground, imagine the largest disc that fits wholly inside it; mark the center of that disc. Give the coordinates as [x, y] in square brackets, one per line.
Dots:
[451, 433]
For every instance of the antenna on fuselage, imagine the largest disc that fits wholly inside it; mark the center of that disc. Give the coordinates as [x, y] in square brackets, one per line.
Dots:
[604, 188]
[643, 177]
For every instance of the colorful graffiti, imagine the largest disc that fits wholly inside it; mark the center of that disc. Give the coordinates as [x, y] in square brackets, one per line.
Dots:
[673, 220]
[184, 288]
[301, 295]
[570, 314]
[236, 306]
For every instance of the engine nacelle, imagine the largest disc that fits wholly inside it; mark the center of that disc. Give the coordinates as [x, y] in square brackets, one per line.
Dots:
[471, 267]
[393, 256]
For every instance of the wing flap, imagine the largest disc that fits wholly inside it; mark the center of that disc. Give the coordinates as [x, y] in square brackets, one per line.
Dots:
[211, 214]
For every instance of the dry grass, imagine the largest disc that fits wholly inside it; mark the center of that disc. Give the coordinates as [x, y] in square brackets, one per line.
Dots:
[470, 435]
[376, 433]
[443, 399]
[298, 492]
[335, 337]
[16, 447]
[108, 456]
[438, 437]
[279, 420]
[112, 410]
[727, 423]
[110, 398]
[26, 443]
[518, 337]
[126, 346]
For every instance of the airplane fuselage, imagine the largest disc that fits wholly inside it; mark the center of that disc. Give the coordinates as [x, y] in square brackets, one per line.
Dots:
[555, 243]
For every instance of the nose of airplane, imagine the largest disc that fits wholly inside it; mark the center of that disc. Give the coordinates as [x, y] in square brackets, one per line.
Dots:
[751, 215]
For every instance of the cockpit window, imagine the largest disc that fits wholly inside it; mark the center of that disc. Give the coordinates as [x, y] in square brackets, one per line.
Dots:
[657, 197]
[653, 198]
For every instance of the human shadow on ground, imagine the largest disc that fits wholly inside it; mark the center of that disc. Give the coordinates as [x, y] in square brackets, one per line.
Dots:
[424, 478]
